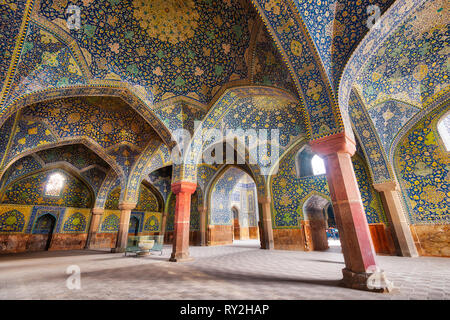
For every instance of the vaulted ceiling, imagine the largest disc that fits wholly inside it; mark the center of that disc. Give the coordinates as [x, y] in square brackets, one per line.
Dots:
[336, 27]
[409, 71]
[167, 48]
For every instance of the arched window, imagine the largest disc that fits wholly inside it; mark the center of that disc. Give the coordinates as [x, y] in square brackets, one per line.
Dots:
[318, 165]
[303, 163]
[309, 164]
[55, 185]
[444, 131]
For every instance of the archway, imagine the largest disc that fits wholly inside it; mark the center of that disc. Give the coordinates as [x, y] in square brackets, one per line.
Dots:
[236, 225]
[315, 213]
[56, 190]
[331, 226]
[42, 233]
[133, 229]
[233, 214]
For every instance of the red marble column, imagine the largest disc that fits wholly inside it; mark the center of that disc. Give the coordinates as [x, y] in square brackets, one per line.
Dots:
[124, 225]
[357, 246]
[183, 191]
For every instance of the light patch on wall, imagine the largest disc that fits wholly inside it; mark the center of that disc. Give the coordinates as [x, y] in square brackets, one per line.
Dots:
[444, 131]
[55, 185]
[318, 165]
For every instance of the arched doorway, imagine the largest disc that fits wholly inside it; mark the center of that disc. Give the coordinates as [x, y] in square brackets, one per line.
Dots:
[236, 225]
[316, 223]
[134, 226]
[331, 227]
[42, 233]
[233, 214]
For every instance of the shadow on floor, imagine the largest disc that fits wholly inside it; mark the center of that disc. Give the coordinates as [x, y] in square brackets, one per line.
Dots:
[51, 254]
[190, 272]
[325, 261]
[256, 278]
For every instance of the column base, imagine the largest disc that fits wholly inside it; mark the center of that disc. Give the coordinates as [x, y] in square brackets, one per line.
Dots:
[89, 238]
[117, 250]
[374, 282]
[180, 258]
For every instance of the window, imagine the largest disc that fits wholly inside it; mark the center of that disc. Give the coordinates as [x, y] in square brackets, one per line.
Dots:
[309, 164]
[444, 131]
[54, 185]
[303, 163]
[318, 165]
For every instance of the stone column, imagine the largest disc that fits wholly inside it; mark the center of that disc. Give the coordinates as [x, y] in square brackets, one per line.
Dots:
[266, 232]
[183, 191]
[356, 242]
[163, 224]
[93, 227]
[124, 225]
[202, 211]
[389, 192]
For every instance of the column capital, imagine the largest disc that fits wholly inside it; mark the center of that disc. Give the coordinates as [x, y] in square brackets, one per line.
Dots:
[127, 205]
[265, 199]
[98, 211]
[336, 143]
[386, 186]
[184, 187]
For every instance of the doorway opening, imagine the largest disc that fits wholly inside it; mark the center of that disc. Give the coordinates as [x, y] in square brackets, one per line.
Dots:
[332, 230]
[42, 233]
[236, 225]
[233, 209]
[134, 226]
[319, 224]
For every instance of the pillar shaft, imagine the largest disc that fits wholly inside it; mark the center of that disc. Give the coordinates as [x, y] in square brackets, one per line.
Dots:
[356, 242]
[202, 211]
[163, 224]
[124, 225]
[267, 232]
[389, 192]
[183, 191]
[93, 227]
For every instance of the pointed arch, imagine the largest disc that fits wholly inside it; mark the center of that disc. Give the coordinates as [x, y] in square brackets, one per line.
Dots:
[291, 36]
[392, 18]
[380, 168]
[325, 199]
[212, 121]
[118, 89]
[442, 102]
[106, 186]
[87, 142]
[156, 193]
[217, 177]
[63, 166]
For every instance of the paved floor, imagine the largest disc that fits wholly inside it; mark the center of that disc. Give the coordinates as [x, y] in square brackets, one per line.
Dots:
[241, 271]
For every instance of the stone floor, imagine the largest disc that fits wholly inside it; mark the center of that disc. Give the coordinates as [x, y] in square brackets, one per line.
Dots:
[241, 271]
